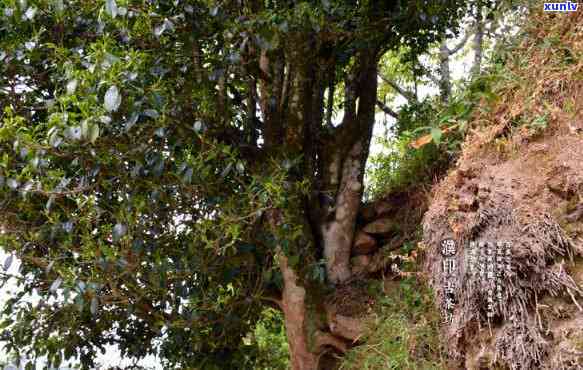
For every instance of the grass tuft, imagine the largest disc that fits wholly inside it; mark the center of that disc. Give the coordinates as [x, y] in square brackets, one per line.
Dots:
[403, 333]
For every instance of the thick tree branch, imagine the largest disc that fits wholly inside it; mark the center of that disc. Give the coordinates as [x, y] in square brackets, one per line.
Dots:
[409, 95]
[277, 301]
[330, 100]
[350, 94]
[346, 169]
[326, 339]
[361, 84]
[477, 46]
[444, 73]
[251, 111]
[387, 110]
[273, 65]
[462, 42]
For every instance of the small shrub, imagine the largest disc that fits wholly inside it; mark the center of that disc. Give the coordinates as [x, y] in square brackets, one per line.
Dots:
[269, 341]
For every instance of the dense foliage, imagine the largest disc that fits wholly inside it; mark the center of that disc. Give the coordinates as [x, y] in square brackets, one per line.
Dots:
[426, 131]
[137, 178]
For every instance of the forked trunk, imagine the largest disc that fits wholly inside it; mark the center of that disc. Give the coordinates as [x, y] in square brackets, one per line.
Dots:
[336, 169]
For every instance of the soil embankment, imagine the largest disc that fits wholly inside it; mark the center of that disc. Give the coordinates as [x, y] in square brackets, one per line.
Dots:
[513, 205]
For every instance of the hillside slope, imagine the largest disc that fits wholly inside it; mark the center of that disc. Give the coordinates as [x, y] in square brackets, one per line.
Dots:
[518, 182]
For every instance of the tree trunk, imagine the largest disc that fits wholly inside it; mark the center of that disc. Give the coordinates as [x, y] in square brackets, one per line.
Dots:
[477, 45]
[306, 329]
[338, 233]
[293, 304]
[345, 170]
[335, 163]
[444, 78]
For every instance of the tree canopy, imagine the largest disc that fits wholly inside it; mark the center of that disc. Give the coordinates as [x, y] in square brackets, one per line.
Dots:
[167, 168]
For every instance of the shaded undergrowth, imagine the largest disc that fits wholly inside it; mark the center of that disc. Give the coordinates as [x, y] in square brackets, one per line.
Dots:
[402, 333]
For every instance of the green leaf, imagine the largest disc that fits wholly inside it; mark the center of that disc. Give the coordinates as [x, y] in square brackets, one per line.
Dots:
[198, 126]
[55, 139]
[111, 8]
[105, 119]
[85, 129]
[5, 323]
[436, 135]
[293, 260]
[34, 163]
[50, 202]
[49, 267]
[30, 13]
[160, 132]
[131, 121]
[93, 133]
[112, 99]
[166, 25]
[56, 284]
[240, 167]
[72, 86]
[8, 262]
[13, 184]
[227, 170]
[119, 230]
[152, 113]
[81, 285]
[94, 305]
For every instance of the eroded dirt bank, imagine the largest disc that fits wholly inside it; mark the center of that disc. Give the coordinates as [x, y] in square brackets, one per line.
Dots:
[519, 182]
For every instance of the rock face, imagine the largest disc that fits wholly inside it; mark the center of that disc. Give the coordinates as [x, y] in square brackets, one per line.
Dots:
[348, 310]
[364, 244]
[381, 226]
[384, 226]
[386, 206]
[346, 326]
[528, 201]
[375, 244]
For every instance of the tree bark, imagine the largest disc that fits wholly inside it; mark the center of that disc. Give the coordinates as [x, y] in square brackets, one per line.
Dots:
[307, 331]
[339, 232]
[477, 45]
[411, 96]
[295, 314]
[334, 159]
[387, 110]
[444, 54]
[346, 170]
[444, 78]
